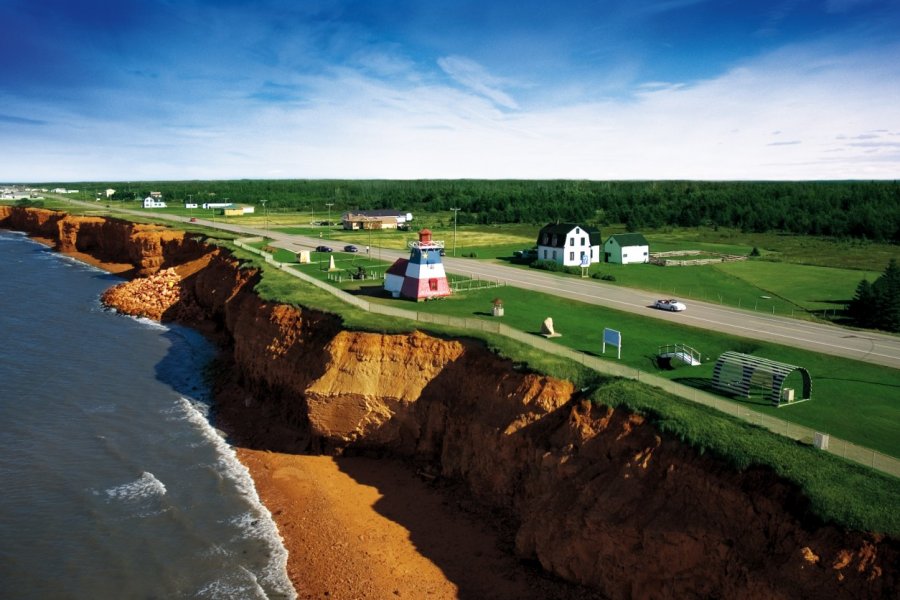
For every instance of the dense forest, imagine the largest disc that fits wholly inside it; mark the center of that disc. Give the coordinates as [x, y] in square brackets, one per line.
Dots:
[855, 209]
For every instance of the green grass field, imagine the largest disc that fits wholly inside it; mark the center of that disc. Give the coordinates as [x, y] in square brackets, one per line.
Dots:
[856, 401]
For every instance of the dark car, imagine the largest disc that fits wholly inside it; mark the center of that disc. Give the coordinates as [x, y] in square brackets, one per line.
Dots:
[323, 249]
[351, 248]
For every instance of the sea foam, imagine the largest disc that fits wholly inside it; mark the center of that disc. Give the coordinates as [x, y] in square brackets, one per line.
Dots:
[145, 486]
[257, 521]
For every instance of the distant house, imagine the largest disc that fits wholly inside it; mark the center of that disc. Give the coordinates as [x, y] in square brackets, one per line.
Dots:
[627, 248]
[376, 219]
[569, 244]
[110, 192]
[151, 202]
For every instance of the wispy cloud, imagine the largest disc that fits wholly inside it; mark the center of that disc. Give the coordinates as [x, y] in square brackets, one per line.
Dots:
[20, 120]
[475, 77]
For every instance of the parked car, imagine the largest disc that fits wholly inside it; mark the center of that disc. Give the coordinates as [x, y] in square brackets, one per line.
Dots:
[323, 249]
[524, 255]
[670, 304]
[351, 248]
[193, 219]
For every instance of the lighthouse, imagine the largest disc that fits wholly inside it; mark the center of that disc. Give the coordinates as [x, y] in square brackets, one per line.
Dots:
[422, 276]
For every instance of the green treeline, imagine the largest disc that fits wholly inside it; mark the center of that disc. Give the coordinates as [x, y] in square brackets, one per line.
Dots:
[862, 210]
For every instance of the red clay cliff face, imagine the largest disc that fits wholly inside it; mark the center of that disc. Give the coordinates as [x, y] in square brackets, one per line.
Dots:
[597, 496]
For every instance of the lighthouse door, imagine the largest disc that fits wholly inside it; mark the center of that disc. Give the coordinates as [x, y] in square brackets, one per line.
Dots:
[433, 284]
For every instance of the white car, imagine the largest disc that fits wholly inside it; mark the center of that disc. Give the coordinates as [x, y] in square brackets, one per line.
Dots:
[670, 304]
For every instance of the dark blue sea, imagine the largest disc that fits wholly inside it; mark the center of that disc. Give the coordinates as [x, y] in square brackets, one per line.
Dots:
[113, 483]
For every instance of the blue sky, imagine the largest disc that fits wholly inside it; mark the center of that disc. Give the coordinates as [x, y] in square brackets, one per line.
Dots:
[608, 89]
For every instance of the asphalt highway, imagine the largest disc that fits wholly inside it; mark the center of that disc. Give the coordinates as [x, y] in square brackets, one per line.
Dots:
[878, 348]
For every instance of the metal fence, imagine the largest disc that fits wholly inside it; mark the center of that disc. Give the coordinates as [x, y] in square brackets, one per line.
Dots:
[849, 451]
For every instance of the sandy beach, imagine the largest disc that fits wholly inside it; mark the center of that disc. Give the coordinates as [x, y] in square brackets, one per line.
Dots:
[370, 528]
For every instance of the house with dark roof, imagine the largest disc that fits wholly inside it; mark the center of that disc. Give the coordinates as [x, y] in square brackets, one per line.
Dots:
[569, 244]
[627, 248]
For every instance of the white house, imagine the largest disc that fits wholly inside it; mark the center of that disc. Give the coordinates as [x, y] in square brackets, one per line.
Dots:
[151, 202]
[569, 244]
[627, 248]
[110, 192]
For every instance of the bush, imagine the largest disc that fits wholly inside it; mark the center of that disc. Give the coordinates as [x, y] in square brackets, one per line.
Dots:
[555, 267]
[599, 275]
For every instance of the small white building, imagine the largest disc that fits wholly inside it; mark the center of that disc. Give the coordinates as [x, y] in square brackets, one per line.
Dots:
[569, 244]
[627, 248]
[110, 192]
[151, 202]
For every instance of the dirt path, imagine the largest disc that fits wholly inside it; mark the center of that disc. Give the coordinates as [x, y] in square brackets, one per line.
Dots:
[369, 528]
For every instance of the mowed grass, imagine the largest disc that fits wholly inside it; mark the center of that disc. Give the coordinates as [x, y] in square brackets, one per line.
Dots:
[853, 400]
[856, 401]
[796, 276]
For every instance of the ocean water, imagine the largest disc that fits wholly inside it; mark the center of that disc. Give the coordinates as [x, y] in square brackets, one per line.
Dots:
[114, 483]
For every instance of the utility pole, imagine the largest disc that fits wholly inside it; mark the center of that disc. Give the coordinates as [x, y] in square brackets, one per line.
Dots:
[267, 215]
[329, 205]
[455, 214]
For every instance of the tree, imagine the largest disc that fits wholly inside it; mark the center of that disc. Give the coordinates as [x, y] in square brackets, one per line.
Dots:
[877, 305]
[861, 308]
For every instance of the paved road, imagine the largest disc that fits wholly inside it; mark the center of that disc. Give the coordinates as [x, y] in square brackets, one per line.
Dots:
[866, 346]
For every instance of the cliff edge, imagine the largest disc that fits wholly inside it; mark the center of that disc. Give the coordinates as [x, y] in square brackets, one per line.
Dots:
[597, 496]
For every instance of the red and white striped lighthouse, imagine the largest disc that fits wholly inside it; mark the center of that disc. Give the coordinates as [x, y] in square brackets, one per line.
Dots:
[423, 273]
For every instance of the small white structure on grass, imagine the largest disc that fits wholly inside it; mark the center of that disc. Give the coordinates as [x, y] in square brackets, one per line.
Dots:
[547, 329]
[627, 248]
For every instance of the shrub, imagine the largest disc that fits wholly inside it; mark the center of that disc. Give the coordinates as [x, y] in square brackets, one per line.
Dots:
[555, 267]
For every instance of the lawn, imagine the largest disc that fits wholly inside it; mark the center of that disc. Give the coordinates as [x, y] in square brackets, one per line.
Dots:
[852, 400]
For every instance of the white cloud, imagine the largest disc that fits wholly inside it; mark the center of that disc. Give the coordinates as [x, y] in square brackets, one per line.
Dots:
[799, 113]
[472, 75]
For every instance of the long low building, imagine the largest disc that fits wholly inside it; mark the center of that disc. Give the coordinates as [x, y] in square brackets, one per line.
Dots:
[376, 219]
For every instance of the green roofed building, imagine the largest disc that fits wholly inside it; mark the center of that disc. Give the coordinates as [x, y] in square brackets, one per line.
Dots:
[627, 248]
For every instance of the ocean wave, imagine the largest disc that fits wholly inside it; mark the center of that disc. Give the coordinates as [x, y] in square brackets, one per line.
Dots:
[145, 486]
[256, 522]
[241, 585]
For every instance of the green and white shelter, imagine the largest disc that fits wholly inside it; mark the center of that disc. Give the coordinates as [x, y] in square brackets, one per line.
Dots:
[735, 373]
[626, 248]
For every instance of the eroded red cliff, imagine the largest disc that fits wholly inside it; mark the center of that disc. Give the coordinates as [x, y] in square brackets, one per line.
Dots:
[597, 496]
